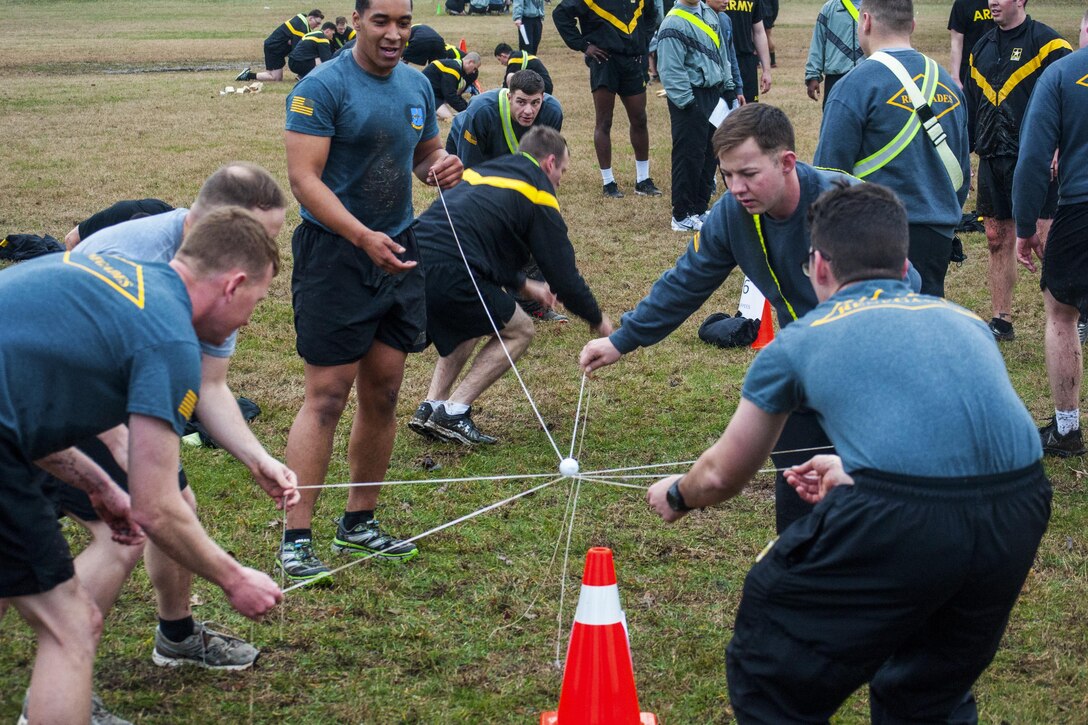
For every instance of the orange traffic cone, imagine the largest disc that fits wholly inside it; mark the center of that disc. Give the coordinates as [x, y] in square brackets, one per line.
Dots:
[463, 46]
[766, 328]
[598, 680]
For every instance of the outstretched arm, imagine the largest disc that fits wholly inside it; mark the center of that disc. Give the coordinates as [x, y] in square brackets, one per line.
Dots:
[219, 412]
[727, 466]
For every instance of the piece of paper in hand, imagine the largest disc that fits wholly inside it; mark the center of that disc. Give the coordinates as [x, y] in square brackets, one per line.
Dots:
[524, 35]
[720, 112]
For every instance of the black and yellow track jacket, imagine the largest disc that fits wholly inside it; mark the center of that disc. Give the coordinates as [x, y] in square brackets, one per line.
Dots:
[524, 61]
[620, 27]
[504, 211]
[449, 80]
[292, 30]
[1003, 68]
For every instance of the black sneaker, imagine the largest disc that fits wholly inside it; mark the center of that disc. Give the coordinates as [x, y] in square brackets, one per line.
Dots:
[1063, 446]
[368, 538]
[646, 187]
[547, 314]
[612, 191]
[418, 421]
[1082, 330]
[246, 75]
[1002, 330]
[457, 428]
[300, 564]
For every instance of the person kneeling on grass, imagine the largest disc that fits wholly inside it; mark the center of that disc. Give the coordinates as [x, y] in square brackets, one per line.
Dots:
[505, 212]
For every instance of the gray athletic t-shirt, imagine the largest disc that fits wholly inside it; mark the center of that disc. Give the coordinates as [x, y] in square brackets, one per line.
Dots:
[903, 383]
[374, 124]
[150, 239]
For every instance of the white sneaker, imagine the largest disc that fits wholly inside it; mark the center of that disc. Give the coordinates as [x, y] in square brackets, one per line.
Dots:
[688, 224]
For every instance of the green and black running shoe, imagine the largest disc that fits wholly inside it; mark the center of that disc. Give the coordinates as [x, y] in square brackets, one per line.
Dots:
[368, 538]
[300, 564]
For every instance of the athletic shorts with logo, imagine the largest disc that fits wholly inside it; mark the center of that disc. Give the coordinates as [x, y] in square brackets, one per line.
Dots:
[343, 302]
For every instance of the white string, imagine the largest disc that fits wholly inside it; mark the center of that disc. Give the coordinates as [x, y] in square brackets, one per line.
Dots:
[613, 483]
[577, 415]
[689, 463]
[435, 530]
[491, 319]
[585, 421]
[563, 576]
[640, 468]
[637, 475]
[551, 565]
[429, 481]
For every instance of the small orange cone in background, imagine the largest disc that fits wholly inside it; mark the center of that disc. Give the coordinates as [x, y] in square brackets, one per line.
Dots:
[598, 680]
[766, 328]
[463, 46]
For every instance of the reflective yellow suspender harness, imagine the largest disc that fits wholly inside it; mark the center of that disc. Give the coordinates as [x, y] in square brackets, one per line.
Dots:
[697, 22]
[305, 24]
[922, 117]
[767, 256]
[507, 125]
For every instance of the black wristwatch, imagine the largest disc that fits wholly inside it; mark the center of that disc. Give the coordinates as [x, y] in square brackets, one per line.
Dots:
[675, 499]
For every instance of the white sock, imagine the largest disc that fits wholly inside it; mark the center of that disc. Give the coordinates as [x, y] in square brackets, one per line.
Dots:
[642, 170]
[455, 408]
[1067, 420]
[606, 175]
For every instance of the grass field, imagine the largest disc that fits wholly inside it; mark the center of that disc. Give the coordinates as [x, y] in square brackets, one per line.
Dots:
[468, 631]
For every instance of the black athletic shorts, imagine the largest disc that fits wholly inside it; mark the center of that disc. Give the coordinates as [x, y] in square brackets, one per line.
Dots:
[301, 68]
[770, 13]
[71, 500]
[276, 50]
[36, 555]
[622, 74]
[454, 312]
[343, 302]
[1065, 259]
[995, 189]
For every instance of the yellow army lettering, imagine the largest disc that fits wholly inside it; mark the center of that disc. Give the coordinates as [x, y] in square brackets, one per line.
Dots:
[983, 15]
[118, 276]
[742, 5]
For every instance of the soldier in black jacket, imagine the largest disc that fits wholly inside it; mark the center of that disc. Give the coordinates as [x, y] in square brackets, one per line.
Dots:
[615, 36]
[449, 80]
[504, 213]
[278, 45]
[1003, 68]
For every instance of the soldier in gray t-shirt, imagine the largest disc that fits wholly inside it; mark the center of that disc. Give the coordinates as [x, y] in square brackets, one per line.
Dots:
[157, 239]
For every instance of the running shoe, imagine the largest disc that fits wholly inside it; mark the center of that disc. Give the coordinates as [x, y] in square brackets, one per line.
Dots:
[1062, 446]
[1002, 330]
[204, 648]
[612, 191]
[418, 421]
[646, 187]
[369, 538]
[300, 564]
[457, 428]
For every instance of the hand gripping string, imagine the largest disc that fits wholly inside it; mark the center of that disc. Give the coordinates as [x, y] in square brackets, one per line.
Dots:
[491, 319]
